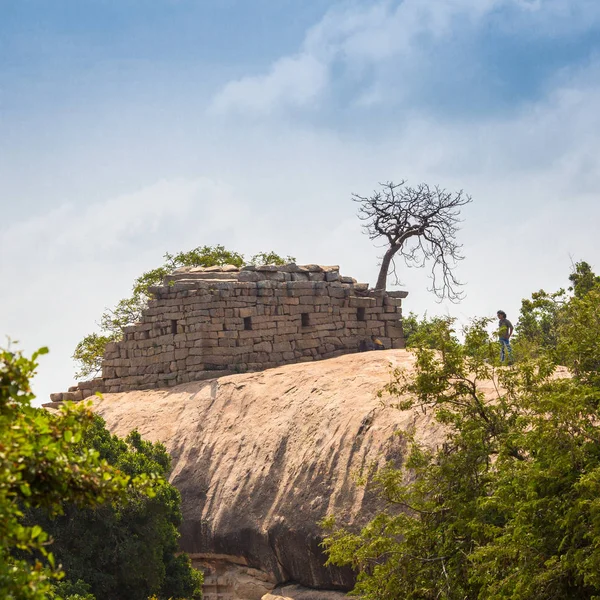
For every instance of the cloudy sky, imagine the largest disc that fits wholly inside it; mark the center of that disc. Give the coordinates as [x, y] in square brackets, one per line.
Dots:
[133, 127]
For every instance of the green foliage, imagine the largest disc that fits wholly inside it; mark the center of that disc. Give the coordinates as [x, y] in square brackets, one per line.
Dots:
[426, 332]
[43, 465]
[126, 550]
[90, 350]
[578, 346]
[78, 590]
[544, 316]
[583, 279]
[270, 258]
[508, 505]
[204, 256]
[539, 323]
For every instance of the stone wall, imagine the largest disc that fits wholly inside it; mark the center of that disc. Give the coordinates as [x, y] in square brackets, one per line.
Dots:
[203, 321]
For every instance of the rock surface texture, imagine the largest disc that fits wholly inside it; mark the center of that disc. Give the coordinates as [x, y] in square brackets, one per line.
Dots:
[261, 458]
[297, 592]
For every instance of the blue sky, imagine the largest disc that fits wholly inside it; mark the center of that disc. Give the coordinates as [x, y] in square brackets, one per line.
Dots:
[131, 128]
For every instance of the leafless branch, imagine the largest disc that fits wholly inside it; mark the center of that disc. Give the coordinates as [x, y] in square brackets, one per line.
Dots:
[420, 224]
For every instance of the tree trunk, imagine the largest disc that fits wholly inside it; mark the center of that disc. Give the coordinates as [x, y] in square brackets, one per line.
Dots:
[385, 267]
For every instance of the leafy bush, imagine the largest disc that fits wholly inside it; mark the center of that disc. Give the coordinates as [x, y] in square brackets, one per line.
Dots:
[126, 550]
[543, 316]
[75, 499]
[508, 505]
[43, 465]
[78, 590]
[427, 332]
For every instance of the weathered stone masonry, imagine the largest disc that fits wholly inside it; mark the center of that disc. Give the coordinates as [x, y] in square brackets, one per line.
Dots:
[231, 320]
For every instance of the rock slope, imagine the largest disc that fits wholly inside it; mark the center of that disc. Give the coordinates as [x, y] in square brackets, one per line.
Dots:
[260, 458]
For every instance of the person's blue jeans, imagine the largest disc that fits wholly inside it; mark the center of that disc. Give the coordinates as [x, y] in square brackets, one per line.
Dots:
[505, 349]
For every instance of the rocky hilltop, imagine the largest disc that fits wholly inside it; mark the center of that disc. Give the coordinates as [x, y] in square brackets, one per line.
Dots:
[260, 458]
[202, 320]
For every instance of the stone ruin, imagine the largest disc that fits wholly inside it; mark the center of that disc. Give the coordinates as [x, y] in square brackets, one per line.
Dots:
[207, 322]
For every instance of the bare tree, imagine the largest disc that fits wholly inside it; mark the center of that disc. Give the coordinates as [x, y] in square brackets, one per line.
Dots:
[421, 225]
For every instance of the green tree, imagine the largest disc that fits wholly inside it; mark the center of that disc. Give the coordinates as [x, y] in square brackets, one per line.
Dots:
[126, 550]
[42, 466]
[508, 505]
[270, 258]
[425, 332]
[78, 590]
[578, 345]
[539, 323]
[583, 279]
[543, 316]
[89, 351]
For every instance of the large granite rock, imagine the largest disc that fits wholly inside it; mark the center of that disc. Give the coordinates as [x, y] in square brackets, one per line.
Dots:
[261, 458]
[296, 592]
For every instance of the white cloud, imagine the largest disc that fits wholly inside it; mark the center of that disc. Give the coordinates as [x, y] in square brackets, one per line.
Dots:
[291, 82]
[62, 268]
[558, 17]
[373, 32]
[69, 231]
[361, 38]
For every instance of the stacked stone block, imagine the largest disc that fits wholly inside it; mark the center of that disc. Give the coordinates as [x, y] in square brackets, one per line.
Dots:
[205, 322]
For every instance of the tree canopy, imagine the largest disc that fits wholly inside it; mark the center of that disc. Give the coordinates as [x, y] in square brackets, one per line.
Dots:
[126, 550]
[83, 514]
[42, 466]
[507, 506]
[544, 316]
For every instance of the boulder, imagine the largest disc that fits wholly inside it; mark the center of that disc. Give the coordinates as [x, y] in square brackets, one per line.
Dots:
[261, 458]
[52, 404]
[222, 268]
[297, 592]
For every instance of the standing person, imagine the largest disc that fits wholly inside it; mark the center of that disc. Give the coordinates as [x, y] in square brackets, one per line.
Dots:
[505, 330]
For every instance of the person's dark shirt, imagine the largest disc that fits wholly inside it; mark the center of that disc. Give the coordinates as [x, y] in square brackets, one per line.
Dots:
[504, 327]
